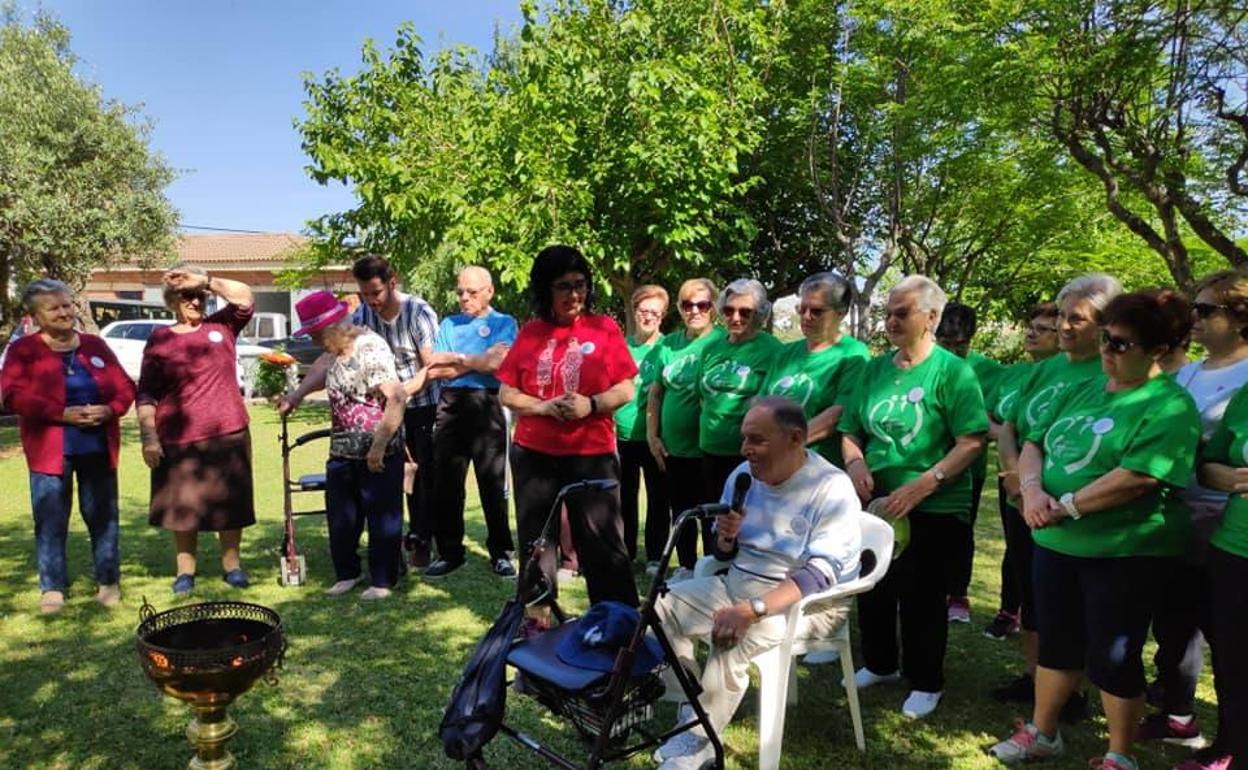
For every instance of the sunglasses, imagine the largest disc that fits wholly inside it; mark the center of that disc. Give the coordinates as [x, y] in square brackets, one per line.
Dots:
[1116, 345]
[688, 306]
[190, 295]
[739, 312]
[568, 287]
[814, 311]
[1207, 309]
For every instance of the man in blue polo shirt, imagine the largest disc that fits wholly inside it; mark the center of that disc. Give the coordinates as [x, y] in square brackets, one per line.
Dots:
[470, 425]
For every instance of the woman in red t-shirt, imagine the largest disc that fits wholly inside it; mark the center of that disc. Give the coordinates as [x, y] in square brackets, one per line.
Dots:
[568, 370]
[193, 423]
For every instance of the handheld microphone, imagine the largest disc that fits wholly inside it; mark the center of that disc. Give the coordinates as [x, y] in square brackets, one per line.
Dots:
[739, 489]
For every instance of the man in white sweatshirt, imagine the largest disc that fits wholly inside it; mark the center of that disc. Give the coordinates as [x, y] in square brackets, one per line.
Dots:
[796, 532]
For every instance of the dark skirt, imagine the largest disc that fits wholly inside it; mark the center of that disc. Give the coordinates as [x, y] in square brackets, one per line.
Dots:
[204, 486]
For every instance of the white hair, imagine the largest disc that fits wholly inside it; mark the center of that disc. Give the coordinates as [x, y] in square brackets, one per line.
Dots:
[744, 286]
[928, 294]
[836, 291]
[40, 288]
[1096, 288]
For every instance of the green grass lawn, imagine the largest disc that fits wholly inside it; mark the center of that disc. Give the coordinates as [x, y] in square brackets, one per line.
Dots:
[364, 685]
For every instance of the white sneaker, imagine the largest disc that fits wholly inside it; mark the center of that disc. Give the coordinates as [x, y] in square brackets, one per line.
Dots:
[652, 568]
[695, 761]
[681, 743]
[865, 677]
[341, 587]
[823, 656]
[372, 593]
[1027, 744]
[919, 704]
[564, 575]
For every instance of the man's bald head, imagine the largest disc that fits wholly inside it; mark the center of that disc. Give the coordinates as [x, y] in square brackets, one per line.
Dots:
[475, 290]
[773, 438]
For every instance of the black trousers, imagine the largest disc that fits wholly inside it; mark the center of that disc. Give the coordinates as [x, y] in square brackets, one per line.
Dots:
[418, 432]
[636, 461]
[470, 427]
[715, 472]
[593, 516]
[1180, 623]
[1017, 594]
[1228, 575]
[960, 578]
[685, 489]
[915, 586]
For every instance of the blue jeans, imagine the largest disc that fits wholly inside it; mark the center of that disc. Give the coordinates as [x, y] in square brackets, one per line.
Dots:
[354, 495]
[97, 502]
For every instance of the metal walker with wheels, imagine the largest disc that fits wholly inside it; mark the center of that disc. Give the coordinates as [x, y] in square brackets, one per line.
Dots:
[607, 709]
[293, 567]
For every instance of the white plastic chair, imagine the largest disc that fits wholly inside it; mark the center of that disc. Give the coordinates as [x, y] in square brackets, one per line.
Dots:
[778, 675]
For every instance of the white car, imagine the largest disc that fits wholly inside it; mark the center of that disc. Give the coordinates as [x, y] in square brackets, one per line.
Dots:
[127, 339]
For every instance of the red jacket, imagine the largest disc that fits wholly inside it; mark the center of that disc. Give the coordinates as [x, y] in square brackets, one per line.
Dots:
[32, 385]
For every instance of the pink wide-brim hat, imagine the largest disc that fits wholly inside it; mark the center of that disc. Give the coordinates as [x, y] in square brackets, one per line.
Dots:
[318, 310]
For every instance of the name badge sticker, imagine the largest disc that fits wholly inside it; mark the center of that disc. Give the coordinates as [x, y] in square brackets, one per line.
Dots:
[97, 362]
[215, 336]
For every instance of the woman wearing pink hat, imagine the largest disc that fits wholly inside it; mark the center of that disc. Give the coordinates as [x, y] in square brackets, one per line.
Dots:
[364, 473]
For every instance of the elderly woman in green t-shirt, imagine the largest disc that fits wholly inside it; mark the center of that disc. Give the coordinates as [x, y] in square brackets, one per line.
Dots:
[1226, 470]
[674, 408]
[915, 425]
[734, 369]
[1079, 306]
[818, 372]
[1099, 477]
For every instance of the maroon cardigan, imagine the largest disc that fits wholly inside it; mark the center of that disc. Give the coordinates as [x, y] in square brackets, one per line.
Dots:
[32, 385]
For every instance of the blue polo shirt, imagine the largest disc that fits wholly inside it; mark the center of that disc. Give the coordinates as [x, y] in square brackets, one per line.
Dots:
[461, 333]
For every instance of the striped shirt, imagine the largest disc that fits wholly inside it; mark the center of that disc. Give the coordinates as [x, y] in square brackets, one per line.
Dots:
[415, 326]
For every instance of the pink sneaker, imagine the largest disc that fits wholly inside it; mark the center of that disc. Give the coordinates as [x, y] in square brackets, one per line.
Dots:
[1160, 727]
[1211, 759]
[959, 609]
[1109, 763]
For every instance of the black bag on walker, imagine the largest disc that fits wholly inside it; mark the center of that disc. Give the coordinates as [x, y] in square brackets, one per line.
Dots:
[475, 712]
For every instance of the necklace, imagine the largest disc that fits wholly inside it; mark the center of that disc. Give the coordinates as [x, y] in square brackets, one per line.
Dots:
[69, 362]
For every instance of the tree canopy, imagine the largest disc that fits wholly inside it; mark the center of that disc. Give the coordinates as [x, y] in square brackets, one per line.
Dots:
[79, 185]
[998, 146]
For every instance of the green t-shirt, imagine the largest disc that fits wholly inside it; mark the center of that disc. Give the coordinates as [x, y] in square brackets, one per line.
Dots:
[1153, 429]
[630, 419]
[1229, 446]
[988, 372]
[911, 418]
[679, 360]
[1044, 387]
[818, 381]
[1009, 387]
[732, 374]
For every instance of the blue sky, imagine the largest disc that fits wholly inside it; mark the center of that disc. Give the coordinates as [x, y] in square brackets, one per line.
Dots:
[221, 79]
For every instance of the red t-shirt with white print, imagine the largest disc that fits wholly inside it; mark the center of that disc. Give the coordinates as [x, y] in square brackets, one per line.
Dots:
[587, 357]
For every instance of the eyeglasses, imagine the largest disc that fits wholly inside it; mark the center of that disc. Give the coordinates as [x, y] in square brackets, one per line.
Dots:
[567, 287]
[814, 311]
[1206, 309]
[688, 306]
[1035, 329]
[647, 314]
[743, 312]
[900, 314]
[1116, 345]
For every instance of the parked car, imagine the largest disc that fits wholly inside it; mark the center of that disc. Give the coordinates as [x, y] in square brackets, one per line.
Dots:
[127, 339]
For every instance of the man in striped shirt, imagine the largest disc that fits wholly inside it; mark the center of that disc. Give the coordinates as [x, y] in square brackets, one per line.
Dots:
[409, 326]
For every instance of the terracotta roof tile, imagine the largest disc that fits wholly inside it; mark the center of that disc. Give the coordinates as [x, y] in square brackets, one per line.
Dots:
[249, 248]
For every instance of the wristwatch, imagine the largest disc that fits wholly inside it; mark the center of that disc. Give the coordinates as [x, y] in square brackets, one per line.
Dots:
[1068, 503]
[759, 606]
[939, 473]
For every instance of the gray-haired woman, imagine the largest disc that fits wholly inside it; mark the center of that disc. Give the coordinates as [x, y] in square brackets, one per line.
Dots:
[818, 372]
[193, 422]
[916, 423]
[1079, 307]
[734, 369]
[68, 392]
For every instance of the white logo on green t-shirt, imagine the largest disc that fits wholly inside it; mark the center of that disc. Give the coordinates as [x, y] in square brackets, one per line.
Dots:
[727, 377]
[1040, 404]
[898, 415]
[797, 387]
[1074, 441]
[679, 372]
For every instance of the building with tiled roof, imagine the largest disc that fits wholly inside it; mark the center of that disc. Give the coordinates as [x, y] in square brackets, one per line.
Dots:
[256, 259]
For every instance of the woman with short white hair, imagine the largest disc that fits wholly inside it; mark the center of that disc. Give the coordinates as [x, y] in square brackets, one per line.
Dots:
[734, 369]
[915, 425]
